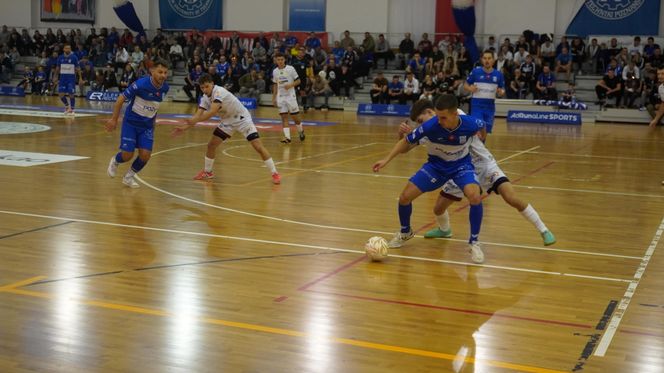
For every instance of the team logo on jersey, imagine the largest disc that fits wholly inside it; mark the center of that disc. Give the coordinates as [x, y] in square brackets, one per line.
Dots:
[462, 139]
[613, 9]
[495, 79]
[450, 137]
[190, 8]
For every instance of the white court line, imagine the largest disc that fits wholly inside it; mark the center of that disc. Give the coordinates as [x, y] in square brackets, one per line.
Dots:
[587, 156]
[328, 248]
[518, 154]
[228, 209]
[589, 191]
[328, 153]
[629, 293]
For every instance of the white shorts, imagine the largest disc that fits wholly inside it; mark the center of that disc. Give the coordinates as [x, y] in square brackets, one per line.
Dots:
[243, 124]
[489, 175]
[288, 105]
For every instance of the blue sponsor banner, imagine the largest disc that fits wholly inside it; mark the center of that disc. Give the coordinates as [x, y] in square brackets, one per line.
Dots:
[547, 117]
[306, 15]
[616, 17]
[189, 14]
[6, 90]
[383, 109]
[103, 96]
[249, 103]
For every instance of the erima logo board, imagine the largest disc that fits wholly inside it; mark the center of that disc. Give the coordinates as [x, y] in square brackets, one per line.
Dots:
[28, 159]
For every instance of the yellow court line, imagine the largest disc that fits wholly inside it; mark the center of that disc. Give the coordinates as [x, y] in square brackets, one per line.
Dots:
[18, 284]
[280, 331]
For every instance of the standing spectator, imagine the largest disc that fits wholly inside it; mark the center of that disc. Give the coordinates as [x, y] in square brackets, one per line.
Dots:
[347, 41]
[593, 51]
[608, 87]
[383, 51]
[368, 44]
[346, 81]
[546, 85]
[320, 87]
[406, 49]
[528, 72]
[425, 46]
[578, 54]
[312, 41]
[657, 59]
[564, 63]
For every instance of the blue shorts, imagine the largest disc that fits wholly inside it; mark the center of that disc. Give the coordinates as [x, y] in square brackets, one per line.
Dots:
[67, 85]
[133, 137]
[486, 115]
[428, 178]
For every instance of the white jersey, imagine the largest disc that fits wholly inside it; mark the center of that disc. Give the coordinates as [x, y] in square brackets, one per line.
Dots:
[486, 169]
[231, 110]
[660, 91]
[284, 76]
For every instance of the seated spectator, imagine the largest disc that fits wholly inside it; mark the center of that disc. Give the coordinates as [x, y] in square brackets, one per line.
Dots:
[320, 57]
[127, 78]
[614, 49]
[636, 46]
[248, 85]
[338, 52]
[656, 61]
[175, 53]
[417, 65]
[406, 50]
[86, 78]
[623, 57]
[608, 87]
[492, 43]
[425, 46]
[564, 63]
[110, 80]
[633, 85]
[463, 62]
[259, 53]
[312, 41]
[395, 90]
[570, 94]
[520, 56]
[383, 51]
[28, 78]
[436, 61]
[142, 70]
[650, 97]
[333, 72]
[319, 88]
[5, 68]
[191, 83]
[519, 86]
[548, 53]
[411, 88]
[563, 44]
[346, 81]
[378, 90]
[121, 58]
[368, 44]
[136, 57]
[347, 41]
[428, 88]
[649, 48]
[546, 85]
[501, 62]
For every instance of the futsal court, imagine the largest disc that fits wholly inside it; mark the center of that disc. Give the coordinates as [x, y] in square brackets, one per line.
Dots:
[240, 275]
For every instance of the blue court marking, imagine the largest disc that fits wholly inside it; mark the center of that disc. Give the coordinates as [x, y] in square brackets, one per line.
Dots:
[160, 116]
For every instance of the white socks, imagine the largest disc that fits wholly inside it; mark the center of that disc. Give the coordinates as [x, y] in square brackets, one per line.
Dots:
[269, 163]
[209, 162]
[531, 215]
[287, 132]
[299, 127]
[443, 221]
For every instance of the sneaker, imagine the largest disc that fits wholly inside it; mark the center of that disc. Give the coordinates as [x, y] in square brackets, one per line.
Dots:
[400, 238]
[476, 254]
[549, 238]
[204, 175]
[302, 137]
[67, 110]
[276, 178]
[112, 167]
[438, 233]
[130, 182]
[71, 113]
[286, 140]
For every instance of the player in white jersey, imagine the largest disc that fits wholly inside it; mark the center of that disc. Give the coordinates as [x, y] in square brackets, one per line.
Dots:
[234, 117]
[490, 176]
[285, 80]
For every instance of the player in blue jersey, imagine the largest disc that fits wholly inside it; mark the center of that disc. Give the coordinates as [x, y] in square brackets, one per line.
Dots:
[143, 97]
[67, 73]
[448, 135]
[485, 83]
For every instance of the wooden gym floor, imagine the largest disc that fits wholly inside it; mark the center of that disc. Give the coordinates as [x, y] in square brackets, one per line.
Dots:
[239, 275]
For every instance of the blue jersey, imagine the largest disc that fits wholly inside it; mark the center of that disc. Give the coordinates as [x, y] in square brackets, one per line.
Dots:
[68, 65]
[546, 80]
[448, 149]
[222, 68]
[144, 99]
[487, 85]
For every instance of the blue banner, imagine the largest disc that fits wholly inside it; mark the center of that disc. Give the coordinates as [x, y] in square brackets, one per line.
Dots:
[306, 15]
[249, 103]
[7, 90]
[546, 117]
[103, 96]
[190, 14]
[128, 16]
[616, 17]
[383, 109]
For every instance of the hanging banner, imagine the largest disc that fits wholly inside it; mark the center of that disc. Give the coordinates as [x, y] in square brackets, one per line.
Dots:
[616, 17]
[189, 14]
[306, 15]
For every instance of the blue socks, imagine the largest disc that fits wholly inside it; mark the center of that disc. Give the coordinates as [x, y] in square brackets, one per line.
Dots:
[404, 217]
[64, 100]
[138, 164]
[476, 213]
[118, 158]
[73, 102]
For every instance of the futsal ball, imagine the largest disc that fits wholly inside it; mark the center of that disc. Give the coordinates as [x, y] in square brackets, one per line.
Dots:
[376, 248]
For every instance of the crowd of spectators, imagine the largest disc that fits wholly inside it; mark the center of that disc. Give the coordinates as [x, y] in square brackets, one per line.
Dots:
[533, 65]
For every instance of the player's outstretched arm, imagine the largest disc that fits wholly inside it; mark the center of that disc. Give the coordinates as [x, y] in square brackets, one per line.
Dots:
[179, 129]
[658, 115]
[113, 122]
[401, 146]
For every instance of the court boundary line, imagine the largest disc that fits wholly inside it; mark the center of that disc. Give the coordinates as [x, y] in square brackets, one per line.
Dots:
[327, 248]
[621, 310]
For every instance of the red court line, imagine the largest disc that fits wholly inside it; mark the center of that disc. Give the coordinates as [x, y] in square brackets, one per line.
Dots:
[330, 274]
[281, 298]
[459, 310]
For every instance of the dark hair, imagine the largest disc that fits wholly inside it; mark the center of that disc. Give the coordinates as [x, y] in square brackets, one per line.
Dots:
[446, 102]
[279, 54]
[419, 107]
[161, 62]
[205, 78]
[487, 52]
